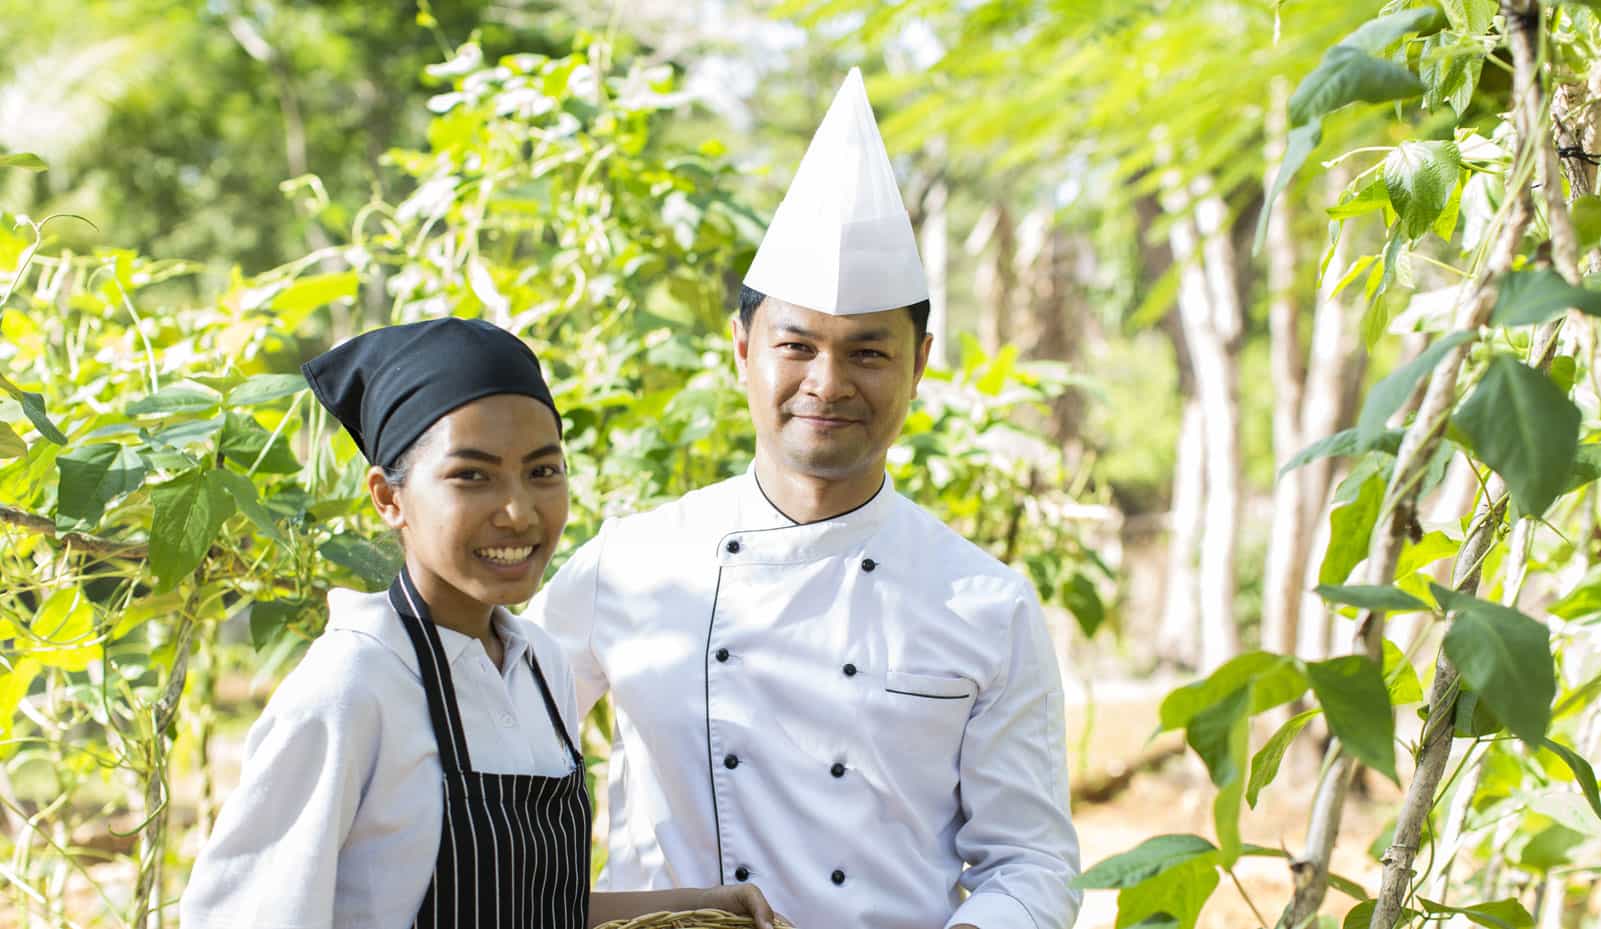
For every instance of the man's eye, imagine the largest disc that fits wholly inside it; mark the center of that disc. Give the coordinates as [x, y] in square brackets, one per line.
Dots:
[468, 474]
[872, 353]
[542, 472]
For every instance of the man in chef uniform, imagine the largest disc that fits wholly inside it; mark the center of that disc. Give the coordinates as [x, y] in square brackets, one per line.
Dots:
[819, 686]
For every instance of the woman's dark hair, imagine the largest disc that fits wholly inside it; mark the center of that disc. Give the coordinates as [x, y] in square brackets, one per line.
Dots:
[750, 299]
[395, 475]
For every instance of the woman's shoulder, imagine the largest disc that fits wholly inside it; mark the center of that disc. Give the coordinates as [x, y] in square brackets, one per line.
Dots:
[352, 665]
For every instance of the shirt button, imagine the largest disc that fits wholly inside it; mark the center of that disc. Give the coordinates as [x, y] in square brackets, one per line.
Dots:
[742, 873]
[868, 564]
[732, 546]
[850, 670]
[837, 877]
[722, 654]
[838, 770]
[730, 762]
[507, 720]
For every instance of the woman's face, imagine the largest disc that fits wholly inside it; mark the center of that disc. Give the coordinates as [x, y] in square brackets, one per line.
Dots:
[483, 504]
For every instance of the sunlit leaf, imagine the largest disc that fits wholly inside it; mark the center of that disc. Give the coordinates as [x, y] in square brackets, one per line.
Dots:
[1525, 428]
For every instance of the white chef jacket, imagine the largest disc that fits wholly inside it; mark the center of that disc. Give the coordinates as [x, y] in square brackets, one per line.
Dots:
[845, 712]
[336, 819]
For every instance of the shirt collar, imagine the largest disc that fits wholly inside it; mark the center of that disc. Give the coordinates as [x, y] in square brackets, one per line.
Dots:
[374, 616]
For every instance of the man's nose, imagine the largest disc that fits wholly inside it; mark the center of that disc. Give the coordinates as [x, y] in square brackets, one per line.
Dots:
[828, 380]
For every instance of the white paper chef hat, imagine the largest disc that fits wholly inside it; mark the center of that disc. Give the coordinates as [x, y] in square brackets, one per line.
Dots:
[841, 241]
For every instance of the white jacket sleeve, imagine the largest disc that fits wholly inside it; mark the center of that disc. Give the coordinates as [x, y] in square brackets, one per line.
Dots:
[1018, 838]
[271, 861]
[565, 608]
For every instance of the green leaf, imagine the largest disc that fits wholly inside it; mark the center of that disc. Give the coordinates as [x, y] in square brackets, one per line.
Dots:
[1211, 733]
[1265, 764]
[1381, 32]
[91, 477]
[1586, 467]
[24, 160]
[313, 291]
[1474, 718]
[1505, 657]
[1391, 393]
[1582, 772]
[1084, 602]
[1178, 892]
[1350, 528]
[375, 565]
[1586, 212]
[1367, 597]
[13, 687]
[1551, 847]
[243, 440]
[1367, 200]
[1419, 177]
[1275, 679]
[247, 500]
[1525, 428]
[33, 408]
[1349, 75]
[1583, 600]
[1143, 862]
[1501, 914]
[1353, 696]
[189, 510]
[1302, 140]
[269, 617]
[1401, 679]
[1528, 298]
[265, 388]
[11, 444]
[1226, 805]
[1343, 443]
[179, 398]
[1470, 16]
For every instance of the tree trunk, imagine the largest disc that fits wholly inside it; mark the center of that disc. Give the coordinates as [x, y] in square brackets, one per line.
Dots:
[995, 280]
[1281, 593]
[1209, 313]
[1178, 640]
[1053, 266]
[932, 238]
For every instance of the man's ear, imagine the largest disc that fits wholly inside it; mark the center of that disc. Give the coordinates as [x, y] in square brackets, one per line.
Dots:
[741, 347]
[920, 364]
[385, 498]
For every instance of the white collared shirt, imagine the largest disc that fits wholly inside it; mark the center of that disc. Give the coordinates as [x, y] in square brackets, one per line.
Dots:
[862, 715]
[336, 819]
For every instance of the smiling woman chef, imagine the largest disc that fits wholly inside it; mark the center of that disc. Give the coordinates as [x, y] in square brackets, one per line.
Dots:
[419, 767]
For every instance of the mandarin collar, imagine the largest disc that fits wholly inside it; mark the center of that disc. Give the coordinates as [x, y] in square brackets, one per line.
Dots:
[768, 536]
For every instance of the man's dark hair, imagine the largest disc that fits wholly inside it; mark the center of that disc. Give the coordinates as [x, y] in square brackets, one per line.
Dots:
[750, 299]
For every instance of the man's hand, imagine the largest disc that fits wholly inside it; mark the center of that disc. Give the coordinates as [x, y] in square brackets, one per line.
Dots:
[745, 900]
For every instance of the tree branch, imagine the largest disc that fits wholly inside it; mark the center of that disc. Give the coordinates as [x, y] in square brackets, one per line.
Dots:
[92, 544]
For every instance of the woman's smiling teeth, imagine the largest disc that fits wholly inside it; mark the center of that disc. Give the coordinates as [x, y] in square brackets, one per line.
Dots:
[506, 555]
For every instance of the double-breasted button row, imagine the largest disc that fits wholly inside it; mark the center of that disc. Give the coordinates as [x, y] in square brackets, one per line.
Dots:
[742, 873]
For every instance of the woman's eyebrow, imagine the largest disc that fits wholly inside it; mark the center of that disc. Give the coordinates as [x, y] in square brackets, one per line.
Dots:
[476, 454]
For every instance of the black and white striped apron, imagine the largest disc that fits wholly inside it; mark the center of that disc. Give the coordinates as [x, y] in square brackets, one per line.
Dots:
[514, 848]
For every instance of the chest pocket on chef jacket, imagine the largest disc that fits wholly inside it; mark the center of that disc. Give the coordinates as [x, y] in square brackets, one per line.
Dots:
[927, 715]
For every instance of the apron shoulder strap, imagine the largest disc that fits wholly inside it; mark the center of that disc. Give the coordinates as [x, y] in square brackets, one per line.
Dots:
[550, 706]
[449, 733]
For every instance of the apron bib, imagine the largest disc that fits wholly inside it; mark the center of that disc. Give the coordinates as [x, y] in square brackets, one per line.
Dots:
[514, 848]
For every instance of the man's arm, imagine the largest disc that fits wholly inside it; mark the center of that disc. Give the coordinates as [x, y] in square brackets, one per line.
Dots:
[565, 608]
[1018, 838]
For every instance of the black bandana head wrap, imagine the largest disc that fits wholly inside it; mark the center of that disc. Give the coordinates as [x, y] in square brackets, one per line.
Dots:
[389, 385]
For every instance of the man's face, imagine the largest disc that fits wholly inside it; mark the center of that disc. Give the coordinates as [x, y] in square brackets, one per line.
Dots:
[829, 393]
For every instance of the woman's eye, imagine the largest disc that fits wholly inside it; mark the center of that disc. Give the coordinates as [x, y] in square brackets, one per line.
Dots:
[468, 474]
[543, 472]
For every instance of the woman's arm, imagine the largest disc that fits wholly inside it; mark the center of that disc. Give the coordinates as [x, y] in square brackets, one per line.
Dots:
[743, 899]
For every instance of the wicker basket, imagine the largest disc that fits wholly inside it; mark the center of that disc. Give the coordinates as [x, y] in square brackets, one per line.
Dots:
[689, 919]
